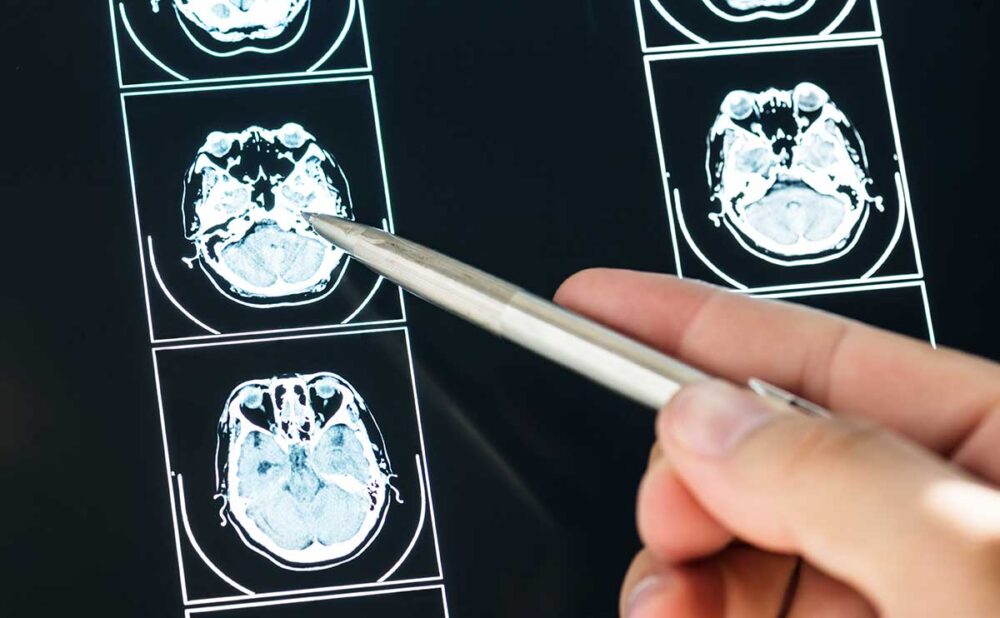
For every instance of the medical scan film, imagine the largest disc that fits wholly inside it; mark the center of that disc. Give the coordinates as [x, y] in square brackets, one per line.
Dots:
[292, 408]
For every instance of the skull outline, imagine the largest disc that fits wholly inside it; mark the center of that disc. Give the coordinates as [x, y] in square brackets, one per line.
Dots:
[239, 21]
[281, 414]
[244, 195]
[753, 10]
[797, 146]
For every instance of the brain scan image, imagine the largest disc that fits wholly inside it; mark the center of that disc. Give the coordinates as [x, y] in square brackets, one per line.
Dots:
[789, 174]
[244, 201]
[302, 470]
[222, 205]
[234, 21]
[289, 482]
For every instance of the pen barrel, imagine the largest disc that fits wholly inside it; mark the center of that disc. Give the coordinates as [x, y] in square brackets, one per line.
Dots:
[619, 363]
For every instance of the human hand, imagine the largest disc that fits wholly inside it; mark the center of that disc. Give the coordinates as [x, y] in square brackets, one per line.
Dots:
[750, 509]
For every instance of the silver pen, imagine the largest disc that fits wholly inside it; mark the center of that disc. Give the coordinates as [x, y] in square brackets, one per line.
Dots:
[633, 369]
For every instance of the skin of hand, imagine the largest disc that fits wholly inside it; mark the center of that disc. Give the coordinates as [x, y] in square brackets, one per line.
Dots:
[749, 509]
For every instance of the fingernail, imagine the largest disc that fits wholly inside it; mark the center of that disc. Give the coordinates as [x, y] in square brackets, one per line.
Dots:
[638, 602]
[712, 418]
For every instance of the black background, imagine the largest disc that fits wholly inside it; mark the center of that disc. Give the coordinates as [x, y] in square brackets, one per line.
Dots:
[689, 93]
[518, 138]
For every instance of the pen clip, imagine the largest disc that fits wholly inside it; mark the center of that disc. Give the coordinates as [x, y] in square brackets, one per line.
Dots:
[770, 391]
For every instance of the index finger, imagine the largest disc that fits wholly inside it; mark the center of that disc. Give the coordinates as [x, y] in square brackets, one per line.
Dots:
[936, 397]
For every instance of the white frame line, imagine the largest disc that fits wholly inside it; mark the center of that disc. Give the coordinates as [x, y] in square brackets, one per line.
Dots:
[905, 204]
[877, 19]
[423, 450]
[891, 100]
[367, 68]
[166, 291]
[364, 33]
[173, 89]
[281, 79]
[182, 507]
[927, 313]
[904, 215]
[444, 601]
[827, 292]
[262, 335]
[841, 36]
[341, 333]
[420, 523]
[142, 47]
[836, 284]
[170, 481]
[682, 224]
[138, 229]
[364, 303]
[421, 457]
[329, 597]
[664, 175]
[114, 38]
[759, 49]
[921, 285]
[144, 257]
[344, 33]
[641, 23]
[284, 598]
[381, 154]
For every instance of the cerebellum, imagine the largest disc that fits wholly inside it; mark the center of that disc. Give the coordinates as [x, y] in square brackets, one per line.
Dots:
[234, 21]
[749, 5]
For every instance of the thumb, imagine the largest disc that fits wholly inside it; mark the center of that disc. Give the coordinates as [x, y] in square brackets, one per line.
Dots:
[867, 507]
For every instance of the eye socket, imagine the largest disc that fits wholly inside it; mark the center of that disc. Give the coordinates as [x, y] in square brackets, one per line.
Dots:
[251, 397]
[218, 144]
[739, 104]
[326, 387]
[254, 405]
[292, 135]
[325, 397]
[809, 97]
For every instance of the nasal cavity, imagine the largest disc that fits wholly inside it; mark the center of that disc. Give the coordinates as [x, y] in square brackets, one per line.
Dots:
[243, 5]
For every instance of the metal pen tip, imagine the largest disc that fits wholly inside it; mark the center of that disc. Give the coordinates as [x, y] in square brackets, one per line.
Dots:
[337, 231]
